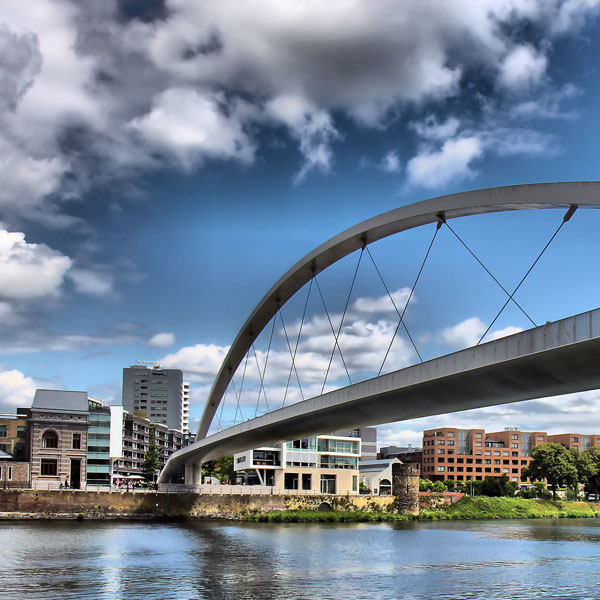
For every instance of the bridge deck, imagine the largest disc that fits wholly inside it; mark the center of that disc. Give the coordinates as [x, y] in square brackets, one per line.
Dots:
[557, 358]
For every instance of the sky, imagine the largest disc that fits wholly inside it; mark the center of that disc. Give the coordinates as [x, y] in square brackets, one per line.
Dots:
[163, 163]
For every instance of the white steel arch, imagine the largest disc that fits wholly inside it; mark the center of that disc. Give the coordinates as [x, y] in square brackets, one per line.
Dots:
[519, 197]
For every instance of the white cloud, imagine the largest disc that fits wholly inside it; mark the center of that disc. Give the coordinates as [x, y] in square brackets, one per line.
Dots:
[199, 363]
[92, 281]
[193, 126]
[464, 334]
[390, 163]
[523, 68]
[382, 304]
[452, 162]
[500, 333]
[29, 271]
[16, 390]
[162, 340]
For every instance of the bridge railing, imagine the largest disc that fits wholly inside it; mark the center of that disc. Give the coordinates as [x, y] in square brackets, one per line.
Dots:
[242, 490]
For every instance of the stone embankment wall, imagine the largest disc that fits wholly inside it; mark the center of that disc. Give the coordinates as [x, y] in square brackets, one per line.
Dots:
[71, 503]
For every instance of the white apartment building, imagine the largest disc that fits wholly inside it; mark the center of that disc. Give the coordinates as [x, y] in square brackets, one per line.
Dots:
[323, 464]
[185, 407]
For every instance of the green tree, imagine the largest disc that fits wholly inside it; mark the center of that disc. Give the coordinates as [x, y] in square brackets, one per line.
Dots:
[497, 486]
[592, 481]
[438, 486]
[151, 462]
[425, 485]
[554, 463]
[220, 468]
[450, 484]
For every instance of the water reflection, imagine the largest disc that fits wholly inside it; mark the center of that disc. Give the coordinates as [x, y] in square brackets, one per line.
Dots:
[199, 560]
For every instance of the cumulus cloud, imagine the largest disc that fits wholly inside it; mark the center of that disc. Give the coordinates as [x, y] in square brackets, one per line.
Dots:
[522, 68]
[90, 93]
[162, 340]
[468, 333]
[29, 271]
[452, 162]
[192, 126]
[16, 390]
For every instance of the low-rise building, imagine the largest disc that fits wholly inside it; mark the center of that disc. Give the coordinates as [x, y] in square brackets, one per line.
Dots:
[323, 464]
[13, 473]
[473, 455]
[58, 422]
[376, 475]
[14, 436]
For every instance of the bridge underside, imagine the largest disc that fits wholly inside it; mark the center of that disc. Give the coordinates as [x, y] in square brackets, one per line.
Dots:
[557, 358]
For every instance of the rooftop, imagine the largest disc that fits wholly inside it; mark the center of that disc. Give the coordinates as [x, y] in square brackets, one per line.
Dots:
[60, 400]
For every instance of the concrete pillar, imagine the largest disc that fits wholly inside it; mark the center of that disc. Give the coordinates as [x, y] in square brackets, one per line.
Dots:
[197, 474]
[405, 486]
[189, 474]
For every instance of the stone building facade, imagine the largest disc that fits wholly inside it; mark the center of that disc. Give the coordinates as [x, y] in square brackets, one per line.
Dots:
[59, 428]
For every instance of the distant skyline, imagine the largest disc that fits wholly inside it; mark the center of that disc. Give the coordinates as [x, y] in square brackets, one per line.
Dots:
[163, 163]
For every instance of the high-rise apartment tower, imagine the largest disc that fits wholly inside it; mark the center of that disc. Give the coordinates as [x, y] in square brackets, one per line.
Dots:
[155, 393]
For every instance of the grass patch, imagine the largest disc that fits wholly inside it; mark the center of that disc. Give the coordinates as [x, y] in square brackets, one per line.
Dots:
[484, 507]
[477, 507]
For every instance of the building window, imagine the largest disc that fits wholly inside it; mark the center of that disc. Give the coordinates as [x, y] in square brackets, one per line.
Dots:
[328, 484]
[2, 430]
[440, 468]
[515, 436]
[515, 445]
[291, 481]
[76, 441]
[478, 435]
[49, 467]
[49, 439]
[21, 431]
[306, 481]
[354, 483]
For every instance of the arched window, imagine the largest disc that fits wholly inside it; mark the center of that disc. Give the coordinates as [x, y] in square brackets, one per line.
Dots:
[50, 439]
[385, 487]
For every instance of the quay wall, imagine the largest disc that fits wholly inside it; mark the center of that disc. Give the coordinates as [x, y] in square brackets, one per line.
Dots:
[73, 503]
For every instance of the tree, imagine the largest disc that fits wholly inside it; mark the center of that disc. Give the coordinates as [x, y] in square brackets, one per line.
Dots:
[592, 472]
[220, 468]
[425, 485]
[450, 484]
[554, 463]
[151, 462]
[438, 486]
[497, 486]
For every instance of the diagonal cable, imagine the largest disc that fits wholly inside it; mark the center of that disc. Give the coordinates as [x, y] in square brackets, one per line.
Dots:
[287, 385]
[395, 307]
[412, 291]
[567, 216]
[287, 339]
[332, 327]
[337, 337]
[239, 396]
[222, 407]
[262, 376]
[490, 273]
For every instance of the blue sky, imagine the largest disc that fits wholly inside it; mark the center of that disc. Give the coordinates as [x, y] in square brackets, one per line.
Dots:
[164, 163]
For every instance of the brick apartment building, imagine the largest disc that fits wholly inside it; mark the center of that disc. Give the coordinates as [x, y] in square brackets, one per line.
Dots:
[473, 454]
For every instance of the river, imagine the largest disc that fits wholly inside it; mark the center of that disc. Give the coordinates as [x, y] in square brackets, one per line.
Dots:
[56, 560]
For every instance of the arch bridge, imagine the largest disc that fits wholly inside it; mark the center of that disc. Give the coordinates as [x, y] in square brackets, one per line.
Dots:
[556, 358]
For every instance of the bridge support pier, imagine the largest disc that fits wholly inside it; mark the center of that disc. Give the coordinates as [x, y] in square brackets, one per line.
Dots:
[193, 474]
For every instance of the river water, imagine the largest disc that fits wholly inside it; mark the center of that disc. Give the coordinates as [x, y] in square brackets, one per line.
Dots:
[458, 560]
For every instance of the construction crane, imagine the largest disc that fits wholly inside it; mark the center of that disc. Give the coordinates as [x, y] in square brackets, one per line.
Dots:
[154, 364]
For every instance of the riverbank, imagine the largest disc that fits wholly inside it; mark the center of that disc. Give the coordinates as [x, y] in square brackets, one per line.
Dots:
[468, 508]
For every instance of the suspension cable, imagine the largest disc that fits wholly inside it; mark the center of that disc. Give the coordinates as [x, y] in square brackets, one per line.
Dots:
[222, 407]
[489, 273]
[331, 327]
[262, 377]
[566, 218]
[287, 339]
[412, 291]
[239, 395]
[287, 385]
[395, 307]
[342, 321]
